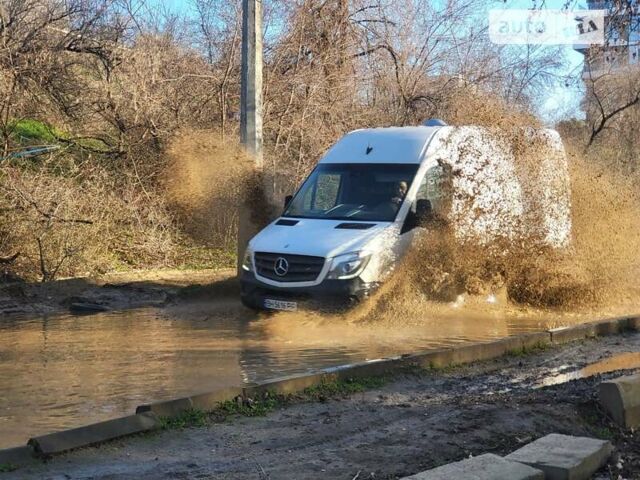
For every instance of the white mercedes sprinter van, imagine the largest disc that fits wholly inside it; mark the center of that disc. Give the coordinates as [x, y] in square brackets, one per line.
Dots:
[356, 214]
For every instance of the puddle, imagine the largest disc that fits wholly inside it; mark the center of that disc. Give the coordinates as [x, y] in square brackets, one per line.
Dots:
[623, 361]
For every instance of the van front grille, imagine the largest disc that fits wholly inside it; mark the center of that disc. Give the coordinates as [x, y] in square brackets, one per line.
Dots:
[288, 268]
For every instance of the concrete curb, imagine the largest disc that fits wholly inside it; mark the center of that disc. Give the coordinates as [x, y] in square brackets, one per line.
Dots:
[285, 385]
[66, 440]
[18, 456]
[535, 339]
[594, 329]
[211, 400]
[147, 416]
[468, 353]
[169, 408]
[371, 368]
[203, 401]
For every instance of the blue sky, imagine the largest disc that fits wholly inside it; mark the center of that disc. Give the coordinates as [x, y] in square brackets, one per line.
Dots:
[176, 4]
[561, 100]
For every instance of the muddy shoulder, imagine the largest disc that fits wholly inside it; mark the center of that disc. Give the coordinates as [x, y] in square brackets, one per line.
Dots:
[113, 292]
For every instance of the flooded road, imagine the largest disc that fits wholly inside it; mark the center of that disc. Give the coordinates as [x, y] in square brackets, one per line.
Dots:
[66, 371]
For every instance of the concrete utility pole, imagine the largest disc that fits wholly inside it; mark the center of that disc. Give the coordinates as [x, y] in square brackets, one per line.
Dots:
[251, 91]
[250, 109]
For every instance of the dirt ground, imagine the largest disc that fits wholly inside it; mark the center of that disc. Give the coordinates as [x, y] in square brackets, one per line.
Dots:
[116, 291]
[412, 424]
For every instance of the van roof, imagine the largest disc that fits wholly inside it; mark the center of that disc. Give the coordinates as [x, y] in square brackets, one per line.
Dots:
[381, 145]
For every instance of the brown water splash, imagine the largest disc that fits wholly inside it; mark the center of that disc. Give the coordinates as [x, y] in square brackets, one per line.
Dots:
[597, 273]
[208, 177]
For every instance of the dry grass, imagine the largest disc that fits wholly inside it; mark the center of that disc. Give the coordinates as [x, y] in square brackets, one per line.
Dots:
[468, 105]
[66, 226]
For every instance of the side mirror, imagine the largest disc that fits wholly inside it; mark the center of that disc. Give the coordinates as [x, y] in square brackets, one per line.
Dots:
[424, 211]
[287, 200]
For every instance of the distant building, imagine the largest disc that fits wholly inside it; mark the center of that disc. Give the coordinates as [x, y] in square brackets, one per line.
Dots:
[622, 39]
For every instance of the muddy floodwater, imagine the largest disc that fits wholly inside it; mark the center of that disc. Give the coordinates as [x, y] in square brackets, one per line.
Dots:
[64, 371]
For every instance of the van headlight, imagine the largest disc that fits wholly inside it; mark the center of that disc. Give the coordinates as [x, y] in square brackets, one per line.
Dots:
[247, 263]
[349, 265]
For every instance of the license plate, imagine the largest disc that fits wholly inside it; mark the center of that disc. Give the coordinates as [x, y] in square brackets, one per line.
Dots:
[280, 305]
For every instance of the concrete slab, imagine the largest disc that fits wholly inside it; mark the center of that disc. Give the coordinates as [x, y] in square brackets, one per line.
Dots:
[484, 467]
[621, 399]
[55, 443]
[563, 457]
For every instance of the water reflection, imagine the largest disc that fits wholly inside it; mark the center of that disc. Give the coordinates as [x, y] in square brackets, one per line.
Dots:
[65, 371]
[623, 361]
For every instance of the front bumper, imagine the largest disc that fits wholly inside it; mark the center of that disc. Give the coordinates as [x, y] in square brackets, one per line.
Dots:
[329, 293]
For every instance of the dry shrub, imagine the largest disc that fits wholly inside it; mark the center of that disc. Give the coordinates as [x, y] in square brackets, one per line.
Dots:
[81, 220]
[66, 216]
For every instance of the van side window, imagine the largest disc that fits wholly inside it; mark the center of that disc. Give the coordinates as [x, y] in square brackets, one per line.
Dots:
[435, 187]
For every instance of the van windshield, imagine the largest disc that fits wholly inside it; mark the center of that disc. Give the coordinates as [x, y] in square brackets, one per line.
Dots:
[353, 191]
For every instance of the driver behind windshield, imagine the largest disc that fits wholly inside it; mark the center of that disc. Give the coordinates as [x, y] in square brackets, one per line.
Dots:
[390, 207]
[361, 192]
[400, 191]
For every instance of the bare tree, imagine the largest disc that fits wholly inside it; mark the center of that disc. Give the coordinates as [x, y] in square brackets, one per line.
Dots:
[609, 97]
[218, 25]
[611, 75]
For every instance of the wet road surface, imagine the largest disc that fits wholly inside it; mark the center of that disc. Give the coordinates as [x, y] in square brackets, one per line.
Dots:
[66, 371]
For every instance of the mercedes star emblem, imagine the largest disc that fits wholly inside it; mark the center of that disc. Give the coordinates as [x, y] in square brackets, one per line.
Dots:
[281, 267]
